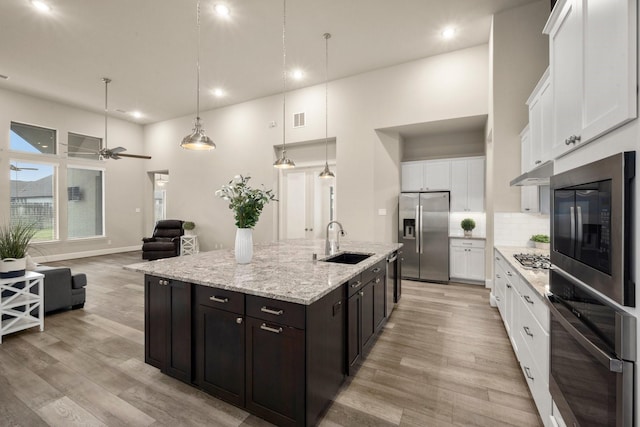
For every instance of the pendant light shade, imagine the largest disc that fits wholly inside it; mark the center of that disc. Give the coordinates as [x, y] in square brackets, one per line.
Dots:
[326, 173]
[197, 139]
[284, 162]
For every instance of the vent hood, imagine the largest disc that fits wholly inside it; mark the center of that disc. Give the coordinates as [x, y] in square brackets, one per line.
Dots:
[537, 176]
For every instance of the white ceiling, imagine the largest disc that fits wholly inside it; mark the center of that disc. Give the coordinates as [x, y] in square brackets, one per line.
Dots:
[147, 47]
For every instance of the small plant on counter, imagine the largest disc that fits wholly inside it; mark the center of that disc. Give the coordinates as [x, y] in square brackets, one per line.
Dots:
[468, 225]
[245, 202]
[540, 238]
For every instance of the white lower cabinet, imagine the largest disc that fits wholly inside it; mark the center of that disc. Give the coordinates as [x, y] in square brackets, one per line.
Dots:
[526, 319]
[467, 260]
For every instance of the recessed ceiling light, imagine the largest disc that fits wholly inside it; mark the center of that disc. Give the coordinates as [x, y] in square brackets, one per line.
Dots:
[297, 74]
[222, 10]
[136, 114]
[448, 33]
[217, 92]
[41, 5]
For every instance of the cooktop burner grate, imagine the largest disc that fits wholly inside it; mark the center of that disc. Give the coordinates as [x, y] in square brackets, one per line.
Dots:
[533, 261]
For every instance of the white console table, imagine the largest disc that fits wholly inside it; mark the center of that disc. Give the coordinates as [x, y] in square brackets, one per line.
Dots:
[17, 304]
[189, 244]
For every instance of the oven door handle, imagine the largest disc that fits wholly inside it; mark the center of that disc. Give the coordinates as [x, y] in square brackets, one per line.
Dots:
[572, 218]
[613, 364]
[579, 228]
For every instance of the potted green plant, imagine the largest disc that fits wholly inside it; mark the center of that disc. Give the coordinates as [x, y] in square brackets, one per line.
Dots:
[247, 204]
[540, 241]
[188, 227]
[468, 225]
[14, 242]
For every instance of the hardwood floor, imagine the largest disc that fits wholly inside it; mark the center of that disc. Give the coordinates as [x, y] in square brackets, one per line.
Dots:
[443, 359]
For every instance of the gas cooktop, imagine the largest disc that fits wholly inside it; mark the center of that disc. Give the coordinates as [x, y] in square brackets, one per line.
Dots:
[533, 261]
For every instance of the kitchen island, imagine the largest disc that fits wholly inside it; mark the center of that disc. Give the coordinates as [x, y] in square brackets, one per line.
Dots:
[276, 336]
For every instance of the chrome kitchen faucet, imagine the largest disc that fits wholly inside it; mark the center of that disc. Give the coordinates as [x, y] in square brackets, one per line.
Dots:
[329, 249]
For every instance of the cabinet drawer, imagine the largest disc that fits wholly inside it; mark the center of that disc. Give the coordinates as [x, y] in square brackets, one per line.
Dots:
[220, 298]
[536, 341]
[467, 243]
[534, 303]
[285, 313]
[537, 383]
[378, 269]
[354, 285]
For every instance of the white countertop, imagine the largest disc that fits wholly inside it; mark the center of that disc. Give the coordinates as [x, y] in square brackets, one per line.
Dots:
[536, 279]
[281, 270]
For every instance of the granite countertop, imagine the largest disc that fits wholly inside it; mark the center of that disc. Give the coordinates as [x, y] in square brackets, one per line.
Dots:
[281, 270]
[536, 279]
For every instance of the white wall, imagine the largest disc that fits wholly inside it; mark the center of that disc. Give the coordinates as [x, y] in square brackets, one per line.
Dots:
[123, 178]
[444, 145]
[437, 88]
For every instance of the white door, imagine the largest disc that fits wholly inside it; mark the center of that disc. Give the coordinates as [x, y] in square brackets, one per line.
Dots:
[307, 203]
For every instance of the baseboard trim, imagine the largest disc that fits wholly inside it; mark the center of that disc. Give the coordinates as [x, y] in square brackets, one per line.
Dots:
[84, 254]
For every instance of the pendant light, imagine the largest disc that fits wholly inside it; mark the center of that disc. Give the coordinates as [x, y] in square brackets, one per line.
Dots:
[284, 162]
[197, 140]
[326, 173]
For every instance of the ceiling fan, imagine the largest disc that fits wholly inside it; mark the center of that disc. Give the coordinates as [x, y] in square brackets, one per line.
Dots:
[105, 152]
[18, 169]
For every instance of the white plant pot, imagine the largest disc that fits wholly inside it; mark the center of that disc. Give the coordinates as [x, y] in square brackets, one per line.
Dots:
[190, 232]
[540, 245]
[468, 233]
[244, 245]
[12, 267]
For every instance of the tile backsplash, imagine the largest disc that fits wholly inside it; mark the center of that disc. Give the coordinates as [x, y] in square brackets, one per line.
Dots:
[515, 228]
[456, 217]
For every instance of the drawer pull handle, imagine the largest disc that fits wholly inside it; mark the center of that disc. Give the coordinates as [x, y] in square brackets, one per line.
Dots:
[239, 320]
[467, 244]
[498, 276]
[498, 259]
[356, 285]
[378, 280]
[272, 311]
[528, 372]
[264, 327]
[508, 286]
[376, 270]
[528, 299]
[218, 299]
[509, 274]
[497, 298]
[527, 331]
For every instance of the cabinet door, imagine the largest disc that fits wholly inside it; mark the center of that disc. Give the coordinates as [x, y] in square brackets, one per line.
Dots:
[275, 372]
[475, 185]
[565, 62]
[179, 363]
[459, 186]
[546, 125]
[156, 321]
[609, 64]
[437, 175]
[367, 314]
[525, 150]
[458, 262]
[475, 264]
[412, 177]
[511, 301]
[529, 202]
[379, 294]
[354, 331]
[220, 341]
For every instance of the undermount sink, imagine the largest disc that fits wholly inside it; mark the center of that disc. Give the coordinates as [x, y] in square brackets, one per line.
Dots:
[348, 258]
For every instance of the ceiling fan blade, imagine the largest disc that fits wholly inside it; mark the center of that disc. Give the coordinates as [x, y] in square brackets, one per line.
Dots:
[17, 169]
[117, 149]
[135, 156]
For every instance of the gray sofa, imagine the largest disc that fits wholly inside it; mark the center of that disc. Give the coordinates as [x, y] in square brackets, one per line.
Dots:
[62, 290]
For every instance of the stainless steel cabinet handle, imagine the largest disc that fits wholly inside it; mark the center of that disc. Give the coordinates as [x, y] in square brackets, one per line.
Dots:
[508, 286]
[271, 311]
[538, 162]
[528, 299]
[378, 280]
[509, 274]
[527, 372]
[239, 320]
[497, 298]
[356, 285]
[361, 293]
[498, 276]
[376, 270]
[264, 327]
[527, 331]
[218, 299]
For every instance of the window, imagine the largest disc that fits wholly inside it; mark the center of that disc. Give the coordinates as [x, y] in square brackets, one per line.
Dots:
[82, 146]
[85, 213]
[32, 139]
[33, 197]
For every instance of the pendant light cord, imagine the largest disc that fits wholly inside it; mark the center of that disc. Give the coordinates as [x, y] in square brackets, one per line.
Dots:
[326, 98]
[198, 64]
[106, 81]
[284, 75]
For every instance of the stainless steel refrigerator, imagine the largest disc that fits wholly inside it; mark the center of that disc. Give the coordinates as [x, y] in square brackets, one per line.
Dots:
[424, 230]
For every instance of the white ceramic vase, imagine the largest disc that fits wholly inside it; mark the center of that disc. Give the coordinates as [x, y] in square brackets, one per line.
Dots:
[12, 267]
[244, 245]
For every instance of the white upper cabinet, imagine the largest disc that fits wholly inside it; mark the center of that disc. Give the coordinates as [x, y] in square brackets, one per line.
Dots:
[467, 185]
[427, 175]
[540, 123]
[525, 150]
[592, 68]
[528, 193]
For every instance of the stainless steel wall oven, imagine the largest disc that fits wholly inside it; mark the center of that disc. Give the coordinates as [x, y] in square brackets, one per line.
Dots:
[592, 352]
[591, 225]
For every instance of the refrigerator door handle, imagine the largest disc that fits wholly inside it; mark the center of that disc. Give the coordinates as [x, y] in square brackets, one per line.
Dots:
[418, 229]
[421, 245]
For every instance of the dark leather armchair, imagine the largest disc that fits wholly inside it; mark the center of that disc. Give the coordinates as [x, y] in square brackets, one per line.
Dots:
[165, 242]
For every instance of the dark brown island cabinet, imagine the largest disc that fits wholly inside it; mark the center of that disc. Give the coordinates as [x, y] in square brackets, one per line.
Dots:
[281, 361]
